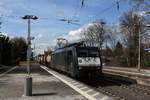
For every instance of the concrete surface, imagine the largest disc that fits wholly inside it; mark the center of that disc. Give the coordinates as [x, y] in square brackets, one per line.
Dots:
[45, 86]
[86, 91]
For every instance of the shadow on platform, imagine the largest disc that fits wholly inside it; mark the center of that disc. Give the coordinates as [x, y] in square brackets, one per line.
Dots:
[43, 94]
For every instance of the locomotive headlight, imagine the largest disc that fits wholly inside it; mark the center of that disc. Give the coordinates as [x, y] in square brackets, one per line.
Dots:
[80, 67]
[80, 60]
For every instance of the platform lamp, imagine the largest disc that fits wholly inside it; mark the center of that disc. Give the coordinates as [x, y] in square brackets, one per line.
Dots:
[141, 14]
[28, 79]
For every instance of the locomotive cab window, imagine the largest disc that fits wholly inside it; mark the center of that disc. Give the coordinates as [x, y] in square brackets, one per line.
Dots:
[88, 53]
[93, 53]
[82, 53]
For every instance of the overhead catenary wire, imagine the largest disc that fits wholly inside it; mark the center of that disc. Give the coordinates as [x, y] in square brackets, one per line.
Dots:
[73, 19]
[78, 10]
[114, 4]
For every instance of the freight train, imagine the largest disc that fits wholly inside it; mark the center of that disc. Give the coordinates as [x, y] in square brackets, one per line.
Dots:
[75, 60]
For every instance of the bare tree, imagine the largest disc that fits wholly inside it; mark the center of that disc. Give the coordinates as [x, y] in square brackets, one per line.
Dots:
[19, 49]
[131, 27]
[113, 35]
[5, 48]
[95, 33]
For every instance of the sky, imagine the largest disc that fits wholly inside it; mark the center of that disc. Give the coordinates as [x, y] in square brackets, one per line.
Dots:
[48, 27]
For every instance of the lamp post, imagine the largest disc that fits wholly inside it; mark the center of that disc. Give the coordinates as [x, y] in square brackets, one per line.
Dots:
[139, 50]
[141, 14]
[139, 54]
[28, 82]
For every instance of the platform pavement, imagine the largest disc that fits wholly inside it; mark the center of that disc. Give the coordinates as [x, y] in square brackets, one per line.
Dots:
[4, 68]
[45, 86]
[142, 77]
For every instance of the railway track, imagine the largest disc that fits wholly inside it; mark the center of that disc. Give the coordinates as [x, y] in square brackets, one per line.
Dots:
[119, 89]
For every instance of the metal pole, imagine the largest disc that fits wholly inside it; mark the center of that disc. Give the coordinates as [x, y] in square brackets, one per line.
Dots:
[28, 81]
[29, 49]
[139, 54]
[139, 49]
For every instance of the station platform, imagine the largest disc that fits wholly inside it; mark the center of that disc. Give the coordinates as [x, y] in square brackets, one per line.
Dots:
[142, 77]
[4, 68]
[45, 86]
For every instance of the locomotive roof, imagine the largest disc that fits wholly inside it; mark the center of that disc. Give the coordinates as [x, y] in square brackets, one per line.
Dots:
[75, 45]
[72, 44]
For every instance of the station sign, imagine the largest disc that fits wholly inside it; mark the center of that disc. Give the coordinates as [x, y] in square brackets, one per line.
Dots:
[147, 49]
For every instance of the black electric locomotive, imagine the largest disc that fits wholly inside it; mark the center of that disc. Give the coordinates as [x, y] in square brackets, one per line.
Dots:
[77, 60]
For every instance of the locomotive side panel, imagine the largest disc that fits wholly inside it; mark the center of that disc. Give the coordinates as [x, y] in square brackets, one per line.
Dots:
[71, 63]
[59, 61]
[77, 61]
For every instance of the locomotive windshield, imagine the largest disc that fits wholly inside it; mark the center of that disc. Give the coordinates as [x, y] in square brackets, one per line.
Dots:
[87, 52]
[88, 56]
